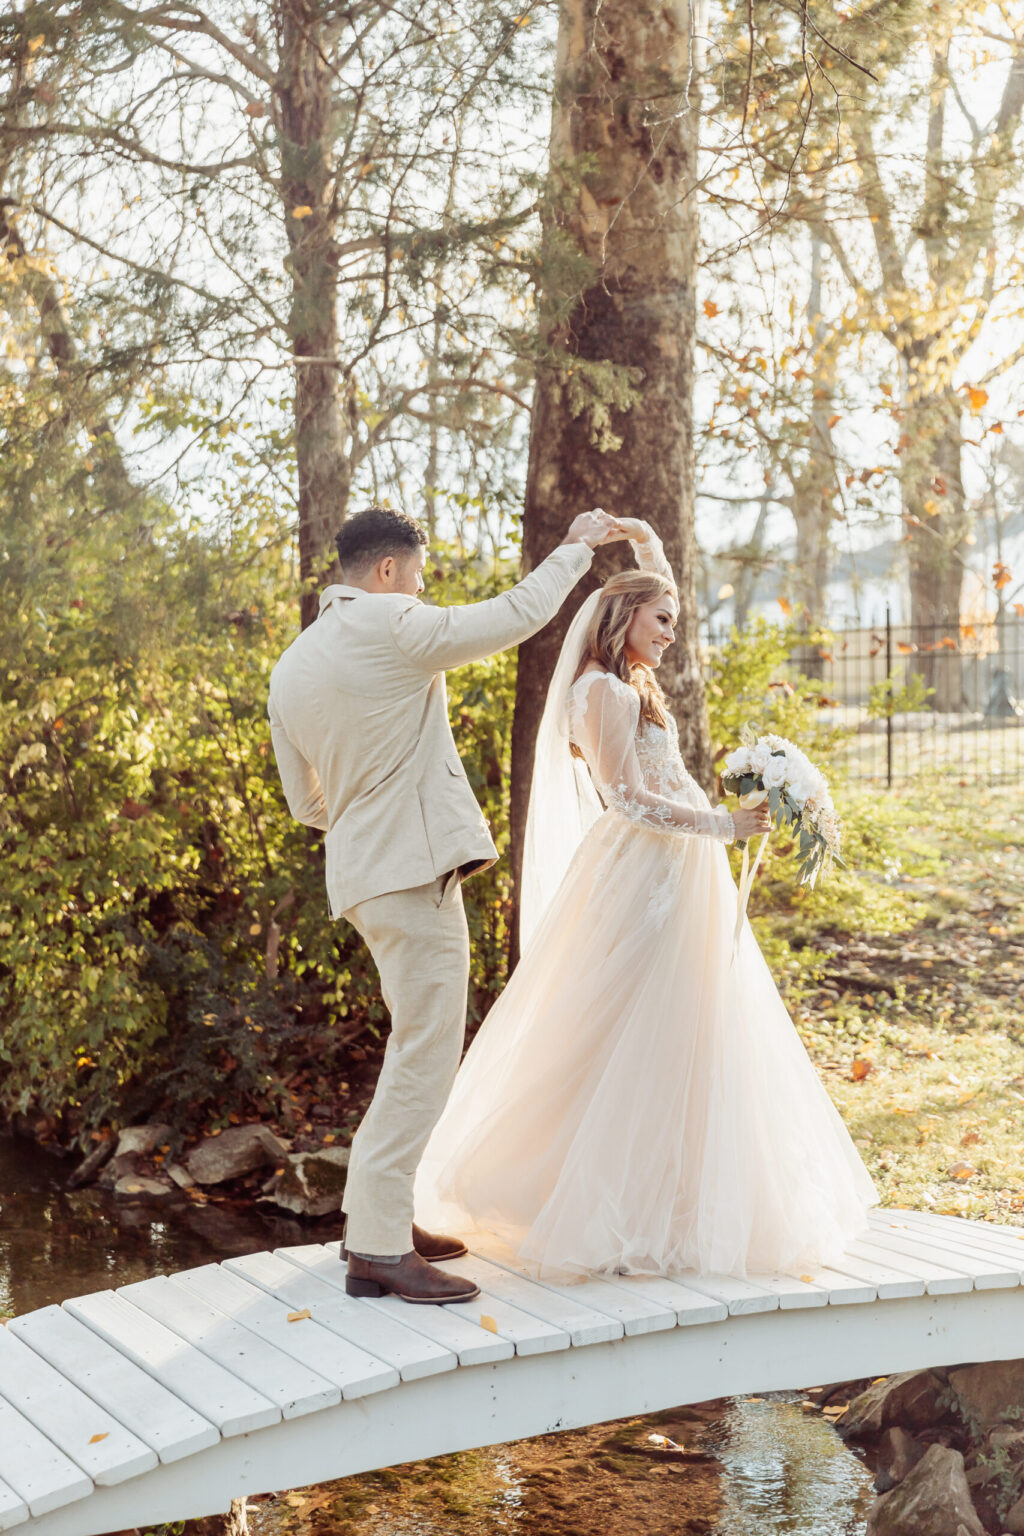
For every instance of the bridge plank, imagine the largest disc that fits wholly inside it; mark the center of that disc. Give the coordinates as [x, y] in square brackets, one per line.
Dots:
[13, 1509]
[412, 1355]
[690, 1305]
[973, 1237]
[938, 1279]
[736, 1295]
[581, 1323]
[626, 1304]
[456, 1328]
[888, 1284]
[530, 1334]
[988, 1274]
[149, 1410]
[90, 1436]
[351, 1369]
[843, 1290]
[232, 1405]
[40, 1474]
[292, 1386]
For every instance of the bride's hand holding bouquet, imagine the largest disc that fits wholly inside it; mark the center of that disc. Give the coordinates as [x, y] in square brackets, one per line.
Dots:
[775, 780]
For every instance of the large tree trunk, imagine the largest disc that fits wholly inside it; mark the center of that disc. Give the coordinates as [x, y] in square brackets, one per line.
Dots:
[305, 109]
[936, 522]
[623, 100]
[814, 488]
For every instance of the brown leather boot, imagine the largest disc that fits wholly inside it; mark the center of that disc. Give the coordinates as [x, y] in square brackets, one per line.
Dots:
[429, 1246]
[411, 1279]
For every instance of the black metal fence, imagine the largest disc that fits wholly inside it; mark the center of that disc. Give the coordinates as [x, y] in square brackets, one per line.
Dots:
[916, 700]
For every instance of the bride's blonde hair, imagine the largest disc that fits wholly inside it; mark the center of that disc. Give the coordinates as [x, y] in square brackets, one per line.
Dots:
[605, 640]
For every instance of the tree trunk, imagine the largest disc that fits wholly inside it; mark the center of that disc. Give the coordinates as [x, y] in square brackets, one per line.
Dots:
[305, 109]
[814, 488]
[935, 519]
[624, 100]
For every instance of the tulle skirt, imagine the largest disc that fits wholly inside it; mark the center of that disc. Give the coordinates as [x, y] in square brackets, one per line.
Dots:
[637, 1099]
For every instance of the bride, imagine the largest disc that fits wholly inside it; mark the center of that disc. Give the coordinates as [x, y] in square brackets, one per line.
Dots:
[637, 1100]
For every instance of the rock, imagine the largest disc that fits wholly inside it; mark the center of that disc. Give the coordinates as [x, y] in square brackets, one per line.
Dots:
[989, 1393]
[141, 1139]
[234, 1152]
[897, 1452]
[910, 1400]
[312, 1183]
[1014, 1522]
[932, 1500]
[180, 1175]
[135, 1187]
[118, 1168]
[91, 1164]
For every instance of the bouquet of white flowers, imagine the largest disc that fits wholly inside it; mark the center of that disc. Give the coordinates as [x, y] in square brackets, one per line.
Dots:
[774, 769]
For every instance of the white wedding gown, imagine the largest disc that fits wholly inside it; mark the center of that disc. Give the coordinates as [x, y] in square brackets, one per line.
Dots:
[636, 1100]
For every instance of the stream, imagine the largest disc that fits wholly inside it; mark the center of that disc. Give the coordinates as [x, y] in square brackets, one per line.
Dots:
[764, 1466]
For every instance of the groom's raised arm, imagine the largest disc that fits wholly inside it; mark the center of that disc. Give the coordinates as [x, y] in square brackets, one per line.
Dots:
[440, 638]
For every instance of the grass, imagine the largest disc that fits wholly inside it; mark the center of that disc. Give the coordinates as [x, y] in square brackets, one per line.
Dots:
[905, 977]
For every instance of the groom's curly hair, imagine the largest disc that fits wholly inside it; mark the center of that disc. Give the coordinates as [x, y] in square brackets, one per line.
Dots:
[371, 535]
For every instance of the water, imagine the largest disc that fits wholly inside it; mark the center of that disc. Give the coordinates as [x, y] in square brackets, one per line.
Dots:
[787, 1473]
[784, 1471]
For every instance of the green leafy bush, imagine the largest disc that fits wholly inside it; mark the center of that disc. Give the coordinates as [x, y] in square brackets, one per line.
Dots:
[164, 938]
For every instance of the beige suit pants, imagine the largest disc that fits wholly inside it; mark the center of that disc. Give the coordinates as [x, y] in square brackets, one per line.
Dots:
[420, 943]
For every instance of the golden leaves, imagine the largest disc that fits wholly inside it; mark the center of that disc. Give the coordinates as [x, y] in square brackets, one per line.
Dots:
[785, 605]
[95, 1439]
[488, 1322]
[302, 211]
[1001, 576]
[976, 398]
[860, 1068]
[35, 43]
[711, 309]
[962, 1171]
[299, 1317]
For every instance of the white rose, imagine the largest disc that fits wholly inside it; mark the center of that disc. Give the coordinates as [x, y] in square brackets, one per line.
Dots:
[736, 762]
[774, 772]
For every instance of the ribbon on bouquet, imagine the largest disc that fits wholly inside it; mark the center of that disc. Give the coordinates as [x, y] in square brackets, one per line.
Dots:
[747, 874]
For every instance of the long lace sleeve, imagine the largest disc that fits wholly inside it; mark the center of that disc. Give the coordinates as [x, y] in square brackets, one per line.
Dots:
[605, 719]
[648, 550]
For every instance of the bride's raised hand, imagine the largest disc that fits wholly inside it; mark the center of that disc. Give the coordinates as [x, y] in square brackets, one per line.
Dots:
[634, 529]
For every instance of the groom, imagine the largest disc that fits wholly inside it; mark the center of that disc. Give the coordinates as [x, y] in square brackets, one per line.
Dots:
[359, 719]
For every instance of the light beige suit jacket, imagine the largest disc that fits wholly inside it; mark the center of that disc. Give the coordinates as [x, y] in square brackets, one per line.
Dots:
[359, 718]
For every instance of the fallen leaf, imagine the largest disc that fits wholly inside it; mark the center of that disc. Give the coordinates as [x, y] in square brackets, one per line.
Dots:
[95, 1439]
[860, 1068]
[488, 1323]
[962, 1171]
[299, 1317]
[807, 1279]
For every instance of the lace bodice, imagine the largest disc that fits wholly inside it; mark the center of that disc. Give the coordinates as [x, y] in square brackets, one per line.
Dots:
[637, 767]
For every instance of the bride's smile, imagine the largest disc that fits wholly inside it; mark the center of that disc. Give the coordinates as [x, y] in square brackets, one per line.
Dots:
[651, 632]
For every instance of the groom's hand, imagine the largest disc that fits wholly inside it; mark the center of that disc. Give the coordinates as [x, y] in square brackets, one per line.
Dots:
[594, 528]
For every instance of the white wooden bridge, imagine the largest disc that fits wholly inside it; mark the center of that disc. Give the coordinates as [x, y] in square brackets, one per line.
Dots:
[168, 1398]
